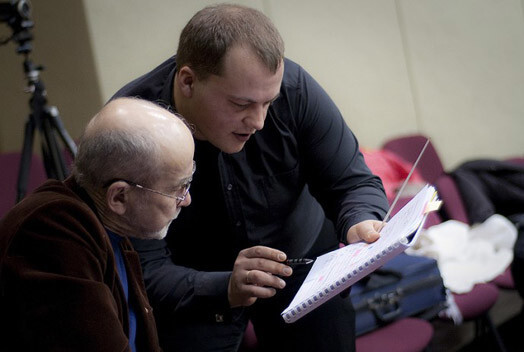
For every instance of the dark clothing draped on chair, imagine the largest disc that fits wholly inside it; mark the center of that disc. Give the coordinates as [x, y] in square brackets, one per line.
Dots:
[490, 187]
[495, 187]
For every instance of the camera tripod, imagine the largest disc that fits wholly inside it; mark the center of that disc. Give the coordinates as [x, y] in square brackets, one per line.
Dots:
[46, 120]
[42, 118]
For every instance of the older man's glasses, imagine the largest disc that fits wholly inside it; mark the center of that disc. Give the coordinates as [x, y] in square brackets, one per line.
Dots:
[184, 190]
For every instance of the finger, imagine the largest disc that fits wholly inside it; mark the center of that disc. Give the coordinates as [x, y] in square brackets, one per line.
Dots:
[264, 259]
[248, 281]
[366, 231]
[264, 252]
[264, 279]
[260, 291]
[371, 235]
[269, 266]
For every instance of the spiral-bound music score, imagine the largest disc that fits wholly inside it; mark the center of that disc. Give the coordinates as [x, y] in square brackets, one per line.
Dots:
[337, 270]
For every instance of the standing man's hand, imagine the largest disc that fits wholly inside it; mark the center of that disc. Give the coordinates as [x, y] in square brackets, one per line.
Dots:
[256, 275]
[367, 231]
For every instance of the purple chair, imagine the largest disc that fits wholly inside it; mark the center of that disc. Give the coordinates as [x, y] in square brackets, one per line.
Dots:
[403, 335]
[475, 306]
[9, 164]
[477, 301]
[408, 148]
[505, 280]
[516, 160]
[249, 342]
[431, 169]
[453, 207]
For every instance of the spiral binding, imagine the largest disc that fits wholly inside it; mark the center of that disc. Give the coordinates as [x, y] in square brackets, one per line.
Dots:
[327, 292]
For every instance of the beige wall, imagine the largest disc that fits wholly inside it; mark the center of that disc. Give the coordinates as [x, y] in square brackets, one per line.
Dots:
[453, 70]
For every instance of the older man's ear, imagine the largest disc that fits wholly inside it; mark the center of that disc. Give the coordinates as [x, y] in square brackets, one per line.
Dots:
[117, 197]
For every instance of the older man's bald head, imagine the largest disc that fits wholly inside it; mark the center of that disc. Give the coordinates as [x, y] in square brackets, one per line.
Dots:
[132, 114]
[131, 138]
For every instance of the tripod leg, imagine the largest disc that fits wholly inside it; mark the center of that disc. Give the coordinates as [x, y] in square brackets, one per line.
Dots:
[66, 138]
[25, 160]
[48, 164]
[56, 159]
[59, 127]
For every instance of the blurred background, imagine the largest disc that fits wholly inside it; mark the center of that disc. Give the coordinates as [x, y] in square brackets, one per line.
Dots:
[451, 70]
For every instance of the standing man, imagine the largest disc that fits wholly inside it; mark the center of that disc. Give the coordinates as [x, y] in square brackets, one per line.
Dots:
[69, 277]
[277, 167]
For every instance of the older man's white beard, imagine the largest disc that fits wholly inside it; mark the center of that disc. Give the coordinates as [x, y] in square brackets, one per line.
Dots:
[159, 235]
[156, 235]
[140, 232]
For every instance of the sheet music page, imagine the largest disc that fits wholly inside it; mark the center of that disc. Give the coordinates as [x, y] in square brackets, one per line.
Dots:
[334, 265]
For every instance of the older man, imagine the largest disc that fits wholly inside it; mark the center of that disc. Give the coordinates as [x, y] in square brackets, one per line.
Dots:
[70, 279]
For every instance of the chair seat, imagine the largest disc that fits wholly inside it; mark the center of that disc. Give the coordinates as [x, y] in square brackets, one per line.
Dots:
[10, 164]
[505, 280]
[404, 335]
[249, 342]
[477, 301]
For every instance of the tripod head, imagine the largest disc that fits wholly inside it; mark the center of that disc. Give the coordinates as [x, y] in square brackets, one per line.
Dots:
[17, 14]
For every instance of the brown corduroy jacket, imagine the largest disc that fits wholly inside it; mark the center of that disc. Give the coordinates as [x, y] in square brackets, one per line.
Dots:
[59, 287]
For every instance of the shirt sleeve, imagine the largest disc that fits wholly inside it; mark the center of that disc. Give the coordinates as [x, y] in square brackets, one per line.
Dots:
[336, 172]
[177, 288]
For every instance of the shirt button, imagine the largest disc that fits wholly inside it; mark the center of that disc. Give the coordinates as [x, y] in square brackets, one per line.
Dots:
[229, 187]
[219, 318]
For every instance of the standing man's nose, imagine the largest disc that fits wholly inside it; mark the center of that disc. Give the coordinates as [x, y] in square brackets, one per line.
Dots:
[256, 117]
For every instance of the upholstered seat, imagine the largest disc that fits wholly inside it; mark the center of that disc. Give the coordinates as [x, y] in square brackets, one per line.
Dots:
[404, 335]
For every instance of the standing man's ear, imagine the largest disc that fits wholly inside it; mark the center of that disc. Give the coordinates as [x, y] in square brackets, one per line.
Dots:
[117, 197]
[185, 79]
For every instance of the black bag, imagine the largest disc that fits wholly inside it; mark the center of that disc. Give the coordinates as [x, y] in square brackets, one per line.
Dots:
[405, 286]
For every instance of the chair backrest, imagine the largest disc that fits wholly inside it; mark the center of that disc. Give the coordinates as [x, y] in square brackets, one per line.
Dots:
[431, 169]
[409, 147]
[516, 160]
[9, 166]
[453, 206]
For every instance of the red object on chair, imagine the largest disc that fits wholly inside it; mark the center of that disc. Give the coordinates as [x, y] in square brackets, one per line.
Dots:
[391, 169]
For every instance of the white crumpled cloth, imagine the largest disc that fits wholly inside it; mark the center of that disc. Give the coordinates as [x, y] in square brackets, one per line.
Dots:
[468, 255]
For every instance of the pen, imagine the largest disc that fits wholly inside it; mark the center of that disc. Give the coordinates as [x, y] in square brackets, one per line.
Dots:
[299, 261]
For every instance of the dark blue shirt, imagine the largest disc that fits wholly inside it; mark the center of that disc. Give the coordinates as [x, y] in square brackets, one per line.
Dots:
[122, 274]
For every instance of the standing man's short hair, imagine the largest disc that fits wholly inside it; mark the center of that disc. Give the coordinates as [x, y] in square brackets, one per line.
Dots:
[213, 30]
